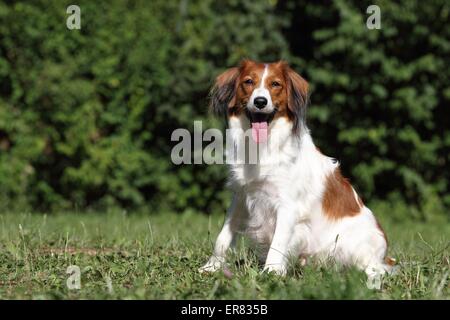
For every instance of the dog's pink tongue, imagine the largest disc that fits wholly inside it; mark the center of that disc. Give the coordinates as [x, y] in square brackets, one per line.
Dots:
[259, 132]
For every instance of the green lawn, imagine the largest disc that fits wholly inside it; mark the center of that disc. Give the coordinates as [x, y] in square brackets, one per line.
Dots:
[135, 256]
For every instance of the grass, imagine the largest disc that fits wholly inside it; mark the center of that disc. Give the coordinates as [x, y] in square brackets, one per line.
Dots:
[135, 256]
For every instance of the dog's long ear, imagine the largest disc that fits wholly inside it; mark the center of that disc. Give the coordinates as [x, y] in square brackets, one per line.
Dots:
[298, 97]
[223, 93]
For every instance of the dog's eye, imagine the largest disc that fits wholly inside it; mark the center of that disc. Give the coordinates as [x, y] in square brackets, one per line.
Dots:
[248, 81]
[276, 84]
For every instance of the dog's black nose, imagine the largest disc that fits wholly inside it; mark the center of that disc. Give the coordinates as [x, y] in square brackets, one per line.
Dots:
[260, 102]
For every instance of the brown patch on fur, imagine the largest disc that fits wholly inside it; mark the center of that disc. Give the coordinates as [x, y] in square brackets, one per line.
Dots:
[230, 92]
[339, 199]
[390, 261]
[277, 84]
[298, 96]
[223, 93]
[290, 97]
[249, 70]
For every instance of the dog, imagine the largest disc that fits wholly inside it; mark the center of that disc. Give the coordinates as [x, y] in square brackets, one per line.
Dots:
[300, 206]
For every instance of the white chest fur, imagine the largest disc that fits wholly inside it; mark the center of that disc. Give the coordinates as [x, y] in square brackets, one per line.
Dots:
[290, 172]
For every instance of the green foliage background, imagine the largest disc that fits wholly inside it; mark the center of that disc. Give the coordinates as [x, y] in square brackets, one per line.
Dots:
[86, 115]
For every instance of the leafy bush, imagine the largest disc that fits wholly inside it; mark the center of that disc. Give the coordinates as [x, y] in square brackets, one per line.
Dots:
[86, 115]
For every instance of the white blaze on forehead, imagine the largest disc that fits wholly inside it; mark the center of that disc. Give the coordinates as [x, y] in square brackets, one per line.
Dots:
[264, 76]
[262, 91]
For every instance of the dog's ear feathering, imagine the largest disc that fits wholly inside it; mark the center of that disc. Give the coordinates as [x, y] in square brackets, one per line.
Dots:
[298, 96]
[223, 93]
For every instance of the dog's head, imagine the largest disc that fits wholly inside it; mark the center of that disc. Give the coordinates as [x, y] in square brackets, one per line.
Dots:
[263, 92]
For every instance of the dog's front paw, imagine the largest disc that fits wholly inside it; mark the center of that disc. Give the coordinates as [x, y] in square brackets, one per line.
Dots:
[277, 269]
[214, 264]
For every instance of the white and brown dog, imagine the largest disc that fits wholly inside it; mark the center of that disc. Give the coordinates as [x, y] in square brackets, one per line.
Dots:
[301, 206]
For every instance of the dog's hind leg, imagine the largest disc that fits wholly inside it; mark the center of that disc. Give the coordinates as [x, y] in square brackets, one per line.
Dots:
[371, 257]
